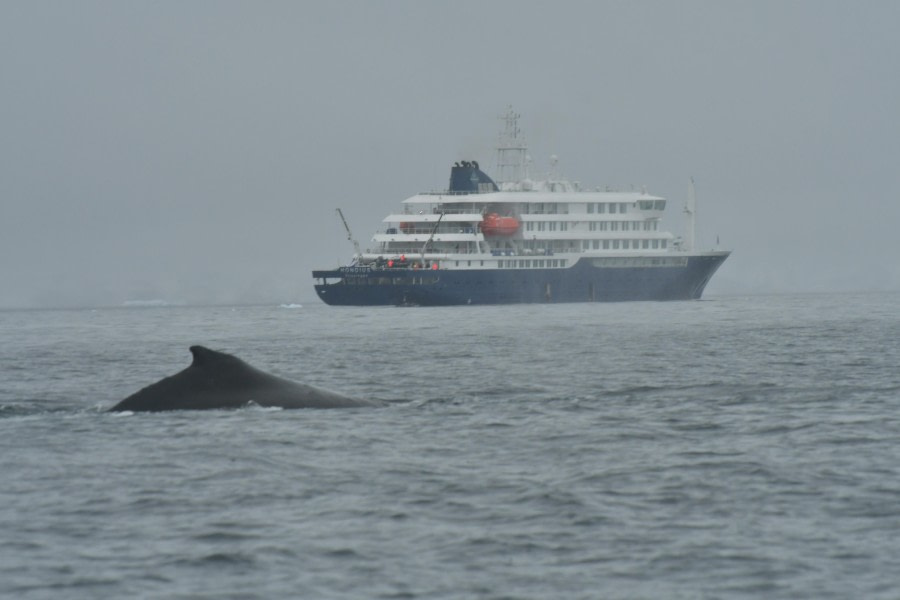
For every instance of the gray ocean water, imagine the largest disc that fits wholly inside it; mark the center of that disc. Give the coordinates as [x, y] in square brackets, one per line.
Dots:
[735, 447]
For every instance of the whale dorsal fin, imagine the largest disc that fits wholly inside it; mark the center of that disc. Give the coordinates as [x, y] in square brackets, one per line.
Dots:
[204, 356]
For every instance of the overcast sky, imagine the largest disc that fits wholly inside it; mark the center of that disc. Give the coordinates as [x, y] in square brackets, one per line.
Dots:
[196, 151]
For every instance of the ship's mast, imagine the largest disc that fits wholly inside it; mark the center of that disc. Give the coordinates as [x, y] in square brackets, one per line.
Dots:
[511, 150]
[690, 211]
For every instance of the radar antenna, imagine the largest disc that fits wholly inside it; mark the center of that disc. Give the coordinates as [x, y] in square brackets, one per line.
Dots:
[358, 254]
[690, 210]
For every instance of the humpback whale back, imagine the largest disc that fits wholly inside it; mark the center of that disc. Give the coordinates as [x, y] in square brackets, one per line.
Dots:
[219, 380]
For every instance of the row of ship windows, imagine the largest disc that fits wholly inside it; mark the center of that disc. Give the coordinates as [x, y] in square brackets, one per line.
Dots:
[537, 263]
[597, 262]
[540, 263]
[594, 226]
[613, 207]
[561, 208]
[585, 245]
[546, 226]
[624, 226]
[640, 261]
[624, 244]
[553, 208]
[390, 280]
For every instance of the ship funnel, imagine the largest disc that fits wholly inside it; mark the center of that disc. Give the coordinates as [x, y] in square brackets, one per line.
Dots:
[467, 178]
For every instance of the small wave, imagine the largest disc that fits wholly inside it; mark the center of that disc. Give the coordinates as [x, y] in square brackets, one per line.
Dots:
[253, 405]
[146, 303]
[224, 537]
[37, 408]
[290, 305]
[342, 553]
[224, 558]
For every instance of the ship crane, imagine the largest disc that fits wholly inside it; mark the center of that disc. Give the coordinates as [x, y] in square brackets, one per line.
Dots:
[350, 237]
[430, 237]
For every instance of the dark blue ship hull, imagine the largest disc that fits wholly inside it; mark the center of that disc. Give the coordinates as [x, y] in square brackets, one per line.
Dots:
[589, 280]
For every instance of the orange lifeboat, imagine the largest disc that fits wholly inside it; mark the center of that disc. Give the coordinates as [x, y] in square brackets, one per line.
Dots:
[494, 224]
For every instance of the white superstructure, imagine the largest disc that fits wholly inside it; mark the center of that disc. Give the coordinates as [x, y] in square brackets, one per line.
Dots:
[477, 224]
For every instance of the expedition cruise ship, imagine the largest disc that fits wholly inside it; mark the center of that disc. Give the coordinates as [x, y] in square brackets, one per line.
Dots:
[521, 240]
